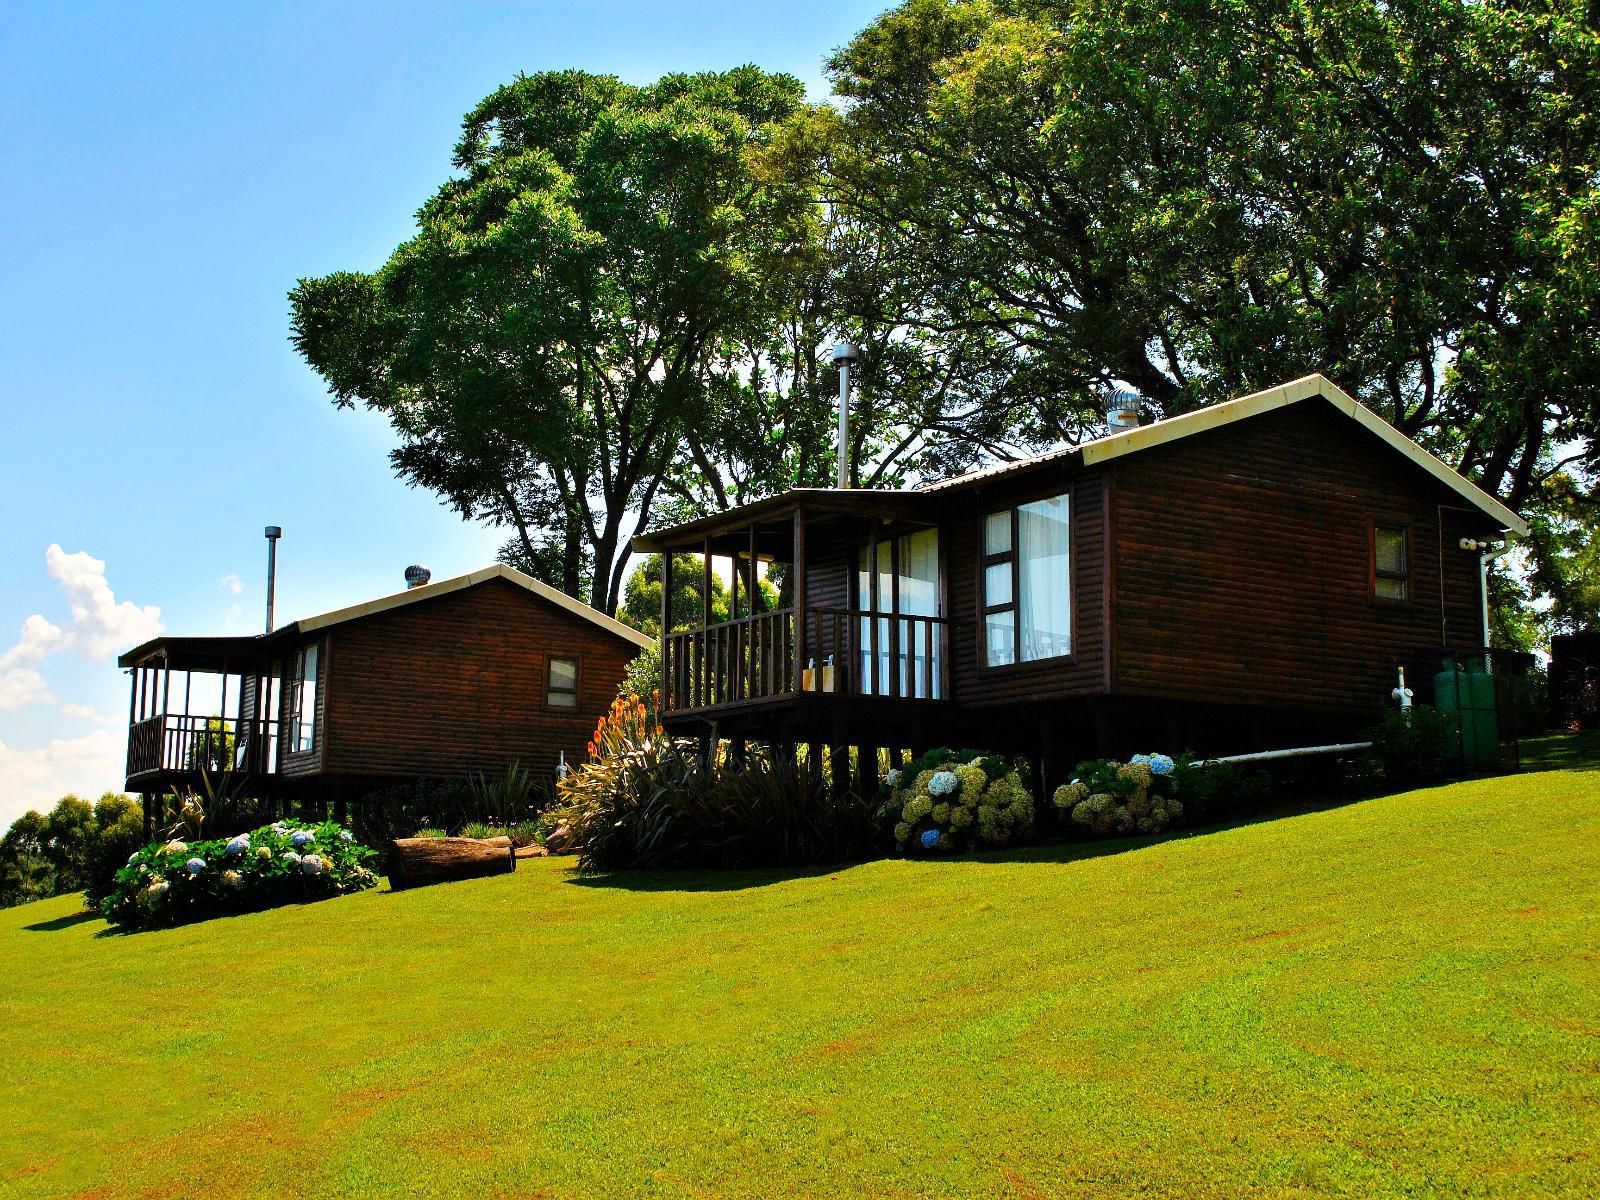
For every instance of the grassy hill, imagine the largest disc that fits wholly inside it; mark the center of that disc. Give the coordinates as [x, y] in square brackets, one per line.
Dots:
[1399, 997]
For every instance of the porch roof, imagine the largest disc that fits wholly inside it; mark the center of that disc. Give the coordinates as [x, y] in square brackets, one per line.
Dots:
[204, 654]
[772, 519]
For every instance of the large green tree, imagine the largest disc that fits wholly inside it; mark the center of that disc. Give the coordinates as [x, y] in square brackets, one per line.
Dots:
[568, 326]
[1198, 198]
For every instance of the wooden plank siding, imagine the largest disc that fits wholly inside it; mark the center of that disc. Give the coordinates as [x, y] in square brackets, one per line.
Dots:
[457, 684]
[1243, 566]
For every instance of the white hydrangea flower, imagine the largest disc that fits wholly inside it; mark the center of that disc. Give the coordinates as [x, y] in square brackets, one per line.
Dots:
[893, 778]
[943, 783]
[346, 835]
[312, 864]
[290, 856]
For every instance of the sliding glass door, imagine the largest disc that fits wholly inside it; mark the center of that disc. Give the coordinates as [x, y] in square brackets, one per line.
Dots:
[901, 636]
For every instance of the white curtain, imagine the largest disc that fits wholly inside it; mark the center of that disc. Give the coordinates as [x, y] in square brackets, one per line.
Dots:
[1044, 569]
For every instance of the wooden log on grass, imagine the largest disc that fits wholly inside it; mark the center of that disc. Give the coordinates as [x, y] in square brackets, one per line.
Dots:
[415, 862]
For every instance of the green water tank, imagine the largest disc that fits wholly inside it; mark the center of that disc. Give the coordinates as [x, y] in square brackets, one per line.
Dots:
[1467, 690]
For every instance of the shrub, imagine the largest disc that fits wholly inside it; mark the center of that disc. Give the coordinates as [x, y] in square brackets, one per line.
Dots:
[513, 795]
[646, 800]
[1418, 745]
[288, 862]
[1110, 797]
[1216, 791]
[119, 832]
[956, 800]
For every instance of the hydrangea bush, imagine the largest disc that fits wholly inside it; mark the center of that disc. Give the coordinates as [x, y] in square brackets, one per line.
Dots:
[958, 800]
[284, 863]
[1111, 797]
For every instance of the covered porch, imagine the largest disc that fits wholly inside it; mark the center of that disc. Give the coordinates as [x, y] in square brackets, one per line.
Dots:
[201, 706]
[859, 615]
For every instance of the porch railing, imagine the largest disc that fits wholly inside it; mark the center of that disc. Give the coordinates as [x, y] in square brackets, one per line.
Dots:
[844, 651]
[169, 742]
[747, 659]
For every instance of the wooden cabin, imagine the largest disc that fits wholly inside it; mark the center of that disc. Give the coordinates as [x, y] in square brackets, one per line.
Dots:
[441, 680]
[1247, 576]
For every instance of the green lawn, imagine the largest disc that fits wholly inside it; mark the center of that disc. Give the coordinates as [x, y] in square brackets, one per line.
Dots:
[1398, 997]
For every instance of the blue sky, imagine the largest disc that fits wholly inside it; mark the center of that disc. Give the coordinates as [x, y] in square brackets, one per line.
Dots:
[170, 171]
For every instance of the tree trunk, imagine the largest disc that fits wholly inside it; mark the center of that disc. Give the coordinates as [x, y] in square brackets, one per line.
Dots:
[415, 862]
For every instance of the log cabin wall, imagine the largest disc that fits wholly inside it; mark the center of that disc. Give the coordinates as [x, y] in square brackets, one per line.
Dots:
[1242, 569]
[457, 684]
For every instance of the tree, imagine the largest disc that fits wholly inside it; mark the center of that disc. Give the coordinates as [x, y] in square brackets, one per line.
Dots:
[1198, 199]
[571, 306]
[26, 872]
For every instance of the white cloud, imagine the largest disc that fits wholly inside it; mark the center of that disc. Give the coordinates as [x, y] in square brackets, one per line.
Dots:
[100, 626]
[21, 687]
[85, 766]
[83, 712]
[232, 583]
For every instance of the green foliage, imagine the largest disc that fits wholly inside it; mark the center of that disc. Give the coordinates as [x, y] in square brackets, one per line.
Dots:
[406, 809]
[288, 862]
[1217, 791]
[74, 847]
[646, 800]
[1107, 797]
[1416, 746]
[1199, 199]
[576, 307]
[119, 831]
[513, 796]
[952, 800]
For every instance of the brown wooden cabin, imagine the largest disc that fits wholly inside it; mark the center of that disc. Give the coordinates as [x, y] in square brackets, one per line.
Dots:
[443, 680]
[1246, 576]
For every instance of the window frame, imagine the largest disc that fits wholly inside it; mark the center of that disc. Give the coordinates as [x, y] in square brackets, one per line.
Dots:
[575, 691]
[1013, 556]
[297, 717]
[1386, 524]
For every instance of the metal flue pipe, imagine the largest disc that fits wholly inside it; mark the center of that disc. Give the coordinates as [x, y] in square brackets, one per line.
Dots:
[273, 534]
[843, 355]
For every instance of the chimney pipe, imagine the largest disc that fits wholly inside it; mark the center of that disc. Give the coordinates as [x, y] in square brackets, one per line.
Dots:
[843, 355]
[273, 534]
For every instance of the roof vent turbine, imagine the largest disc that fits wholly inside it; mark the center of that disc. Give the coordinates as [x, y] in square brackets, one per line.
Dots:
[1124, 410]
[417, 575]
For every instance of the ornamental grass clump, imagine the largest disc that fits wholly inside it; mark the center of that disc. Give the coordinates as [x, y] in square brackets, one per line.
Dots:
[949, 800]
[1108, 797]
[644, 799]
[284, 863]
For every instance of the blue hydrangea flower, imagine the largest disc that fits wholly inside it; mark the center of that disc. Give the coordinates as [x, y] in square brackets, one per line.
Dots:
[893, 778]
[930, 837]
[196, 865]
[311, 865]
[1140, 758]
[943, 784]
[1162, 764]
[303, 837]
[238, 845]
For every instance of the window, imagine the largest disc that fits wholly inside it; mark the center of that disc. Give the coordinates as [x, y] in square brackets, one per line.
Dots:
[303, 702]
[1027, 583]
[1391, 564]
[561, 690]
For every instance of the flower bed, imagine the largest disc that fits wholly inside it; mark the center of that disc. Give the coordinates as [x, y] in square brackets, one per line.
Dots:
[958, 800]
[1109, 797]
[284, 863]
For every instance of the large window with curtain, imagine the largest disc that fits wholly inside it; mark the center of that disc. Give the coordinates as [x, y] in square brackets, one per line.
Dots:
[902, 584]
[1027, 582]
